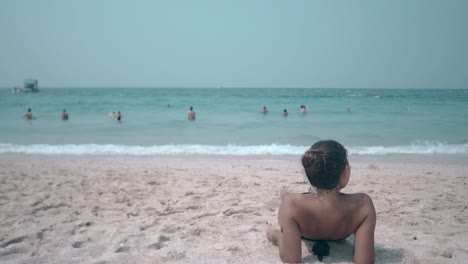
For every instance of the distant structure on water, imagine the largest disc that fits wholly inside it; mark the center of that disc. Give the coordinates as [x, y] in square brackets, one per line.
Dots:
[29, 86]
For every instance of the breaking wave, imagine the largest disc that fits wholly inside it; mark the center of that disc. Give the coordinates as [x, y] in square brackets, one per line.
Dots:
[422, 147]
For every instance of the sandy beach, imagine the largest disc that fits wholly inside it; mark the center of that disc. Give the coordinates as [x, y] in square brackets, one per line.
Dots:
[212, 209]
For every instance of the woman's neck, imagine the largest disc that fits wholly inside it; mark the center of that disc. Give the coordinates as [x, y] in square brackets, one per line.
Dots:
[325, 194]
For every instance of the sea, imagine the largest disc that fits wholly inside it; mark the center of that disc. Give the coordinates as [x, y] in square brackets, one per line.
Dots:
[229, 121]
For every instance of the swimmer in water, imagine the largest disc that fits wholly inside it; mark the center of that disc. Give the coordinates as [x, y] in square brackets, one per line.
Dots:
[303, 109]
[191, 114]
[64, 115]
[119, 117]
[264, 110]
[285, 113]
[28, 115]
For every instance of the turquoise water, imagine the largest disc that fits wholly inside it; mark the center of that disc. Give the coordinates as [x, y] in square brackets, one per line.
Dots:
[229, 121]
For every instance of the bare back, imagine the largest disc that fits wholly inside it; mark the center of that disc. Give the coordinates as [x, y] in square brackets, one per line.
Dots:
[321, 218]
[328, 218]
[191, 115]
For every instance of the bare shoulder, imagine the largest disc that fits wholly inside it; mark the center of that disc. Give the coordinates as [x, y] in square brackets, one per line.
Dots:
[364, 203]
[289, 208]
[291, 198]
[363, 198]
[296, 204]
[290, 202]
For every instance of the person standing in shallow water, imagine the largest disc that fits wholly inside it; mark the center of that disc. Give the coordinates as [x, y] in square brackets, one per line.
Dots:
[191, 114]
[326, 214]
[119, 117]
[285, 113]
[64, 115]
[264, 110]
[28, 115]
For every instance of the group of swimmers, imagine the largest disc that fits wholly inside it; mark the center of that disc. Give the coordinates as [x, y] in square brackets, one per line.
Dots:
[64, 115]
[191, 115]
[118, 115]
[29, 116]
[285, 113]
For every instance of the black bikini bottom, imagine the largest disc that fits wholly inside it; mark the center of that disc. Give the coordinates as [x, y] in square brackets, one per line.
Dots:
[321, 247]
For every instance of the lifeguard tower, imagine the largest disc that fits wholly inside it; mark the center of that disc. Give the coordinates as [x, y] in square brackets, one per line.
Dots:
[29, 85]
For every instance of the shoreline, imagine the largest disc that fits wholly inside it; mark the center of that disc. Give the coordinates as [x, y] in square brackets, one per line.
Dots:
[212, 209]
[388, 158]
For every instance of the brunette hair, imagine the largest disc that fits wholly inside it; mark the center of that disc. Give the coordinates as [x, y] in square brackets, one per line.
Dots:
[324, 163]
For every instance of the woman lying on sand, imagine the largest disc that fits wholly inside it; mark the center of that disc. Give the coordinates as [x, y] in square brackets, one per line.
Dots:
[326, 214]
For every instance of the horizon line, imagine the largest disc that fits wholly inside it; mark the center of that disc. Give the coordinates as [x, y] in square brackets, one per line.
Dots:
[234, 87]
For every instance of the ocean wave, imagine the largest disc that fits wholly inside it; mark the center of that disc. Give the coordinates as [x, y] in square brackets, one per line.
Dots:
[418, 147]
[423, 147]
[94, 149]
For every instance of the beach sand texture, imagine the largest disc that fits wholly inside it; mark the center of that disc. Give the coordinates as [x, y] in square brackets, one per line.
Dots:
[202, 209]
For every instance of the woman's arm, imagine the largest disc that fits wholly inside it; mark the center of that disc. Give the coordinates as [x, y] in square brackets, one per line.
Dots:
[289, 238]
[364, 235]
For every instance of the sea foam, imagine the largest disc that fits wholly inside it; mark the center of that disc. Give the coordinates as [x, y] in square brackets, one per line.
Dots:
[422, 147]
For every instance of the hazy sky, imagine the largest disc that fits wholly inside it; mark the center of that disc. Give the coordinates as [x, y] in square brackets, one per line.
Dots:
[290, 43]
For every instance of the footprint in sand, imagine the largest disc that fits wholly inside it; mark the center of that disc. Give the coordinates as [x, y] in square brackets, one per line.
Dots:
[445, 253]
[123, 247]
[13, 250]
[146, 225]
[13, 241]
[242, 211]
[174, 255]
[271, 205]
[160, 244]
[40, 235]
[170, 229]
[197, 231]
[79, 243]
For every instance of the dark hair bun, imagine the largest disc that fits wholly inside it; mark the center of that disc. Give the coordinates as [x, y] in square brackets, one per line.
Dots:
[324, 163]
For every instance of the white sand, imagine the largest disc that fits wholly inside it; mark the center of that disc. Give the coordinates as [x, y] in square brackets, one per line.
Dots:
[212, 209]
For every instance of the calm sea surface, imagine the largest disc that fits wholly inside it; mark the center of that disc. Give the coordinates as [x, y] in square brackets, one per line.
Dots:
[229, 121]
